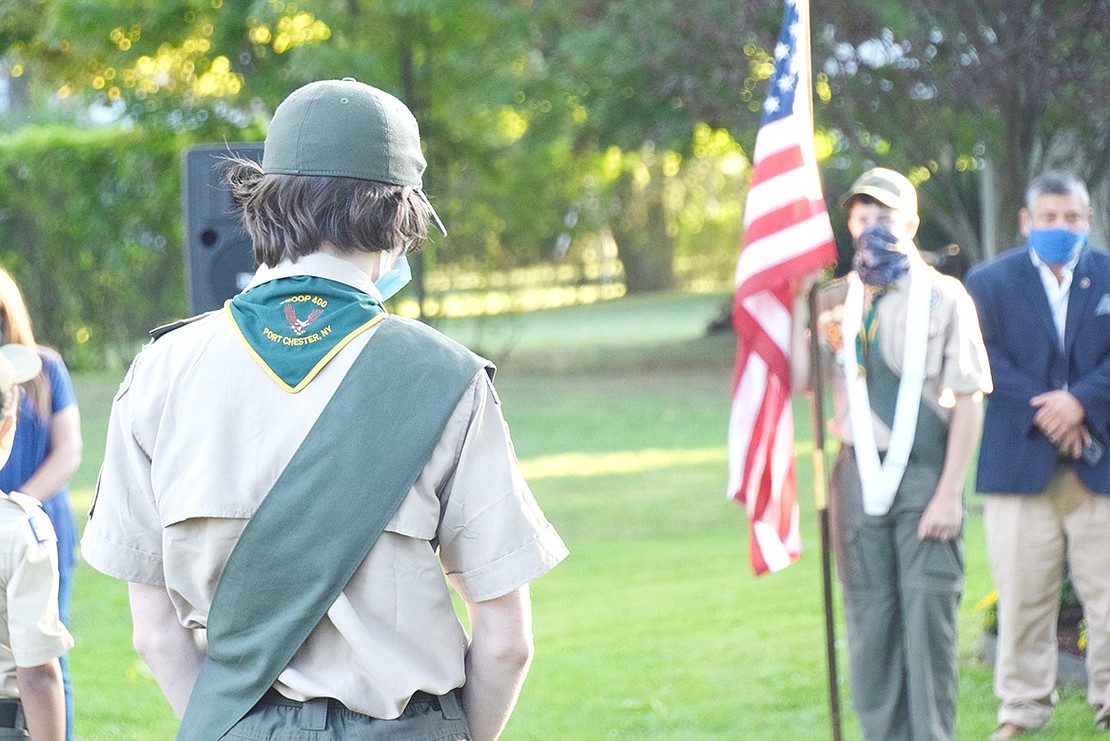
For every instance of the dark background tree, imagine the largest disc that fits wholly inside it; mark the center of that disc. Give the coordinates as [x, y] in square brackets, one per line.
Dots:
[640, 77]
[989, 92]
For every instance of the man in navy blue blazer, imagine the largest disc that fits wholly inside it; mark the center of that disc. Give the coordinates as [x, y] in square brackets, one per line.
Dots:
[1044, 309]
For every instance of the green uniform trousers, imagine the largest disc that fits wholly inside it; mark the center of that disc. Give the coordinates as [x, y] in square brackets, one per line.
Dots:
[901, 596]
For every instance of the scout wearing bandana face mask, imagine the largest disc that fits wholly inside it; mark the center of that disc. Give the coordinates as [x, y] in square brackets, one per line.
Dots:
[894, 517]
[878, 259]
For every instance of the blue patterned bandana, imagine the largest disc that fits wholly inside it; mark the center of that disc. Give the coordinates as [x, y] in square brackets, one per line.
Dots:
[878, 261]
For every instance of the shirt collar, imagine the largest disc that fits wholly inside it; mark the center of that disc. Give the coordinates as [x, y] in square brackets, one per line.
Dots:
[318, 265]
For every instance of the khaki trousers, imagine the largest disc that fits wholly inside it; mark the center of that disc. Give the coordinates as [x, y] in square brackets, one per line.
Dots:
[1028, 539]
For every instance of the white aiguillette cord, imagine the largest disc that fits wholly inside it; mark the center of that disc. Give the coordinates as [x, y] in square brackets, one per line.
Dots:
[880, 481]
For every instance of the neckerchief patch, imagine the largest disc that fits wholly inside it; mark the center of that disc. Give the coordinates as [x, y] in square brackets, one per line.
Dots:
[294, 326]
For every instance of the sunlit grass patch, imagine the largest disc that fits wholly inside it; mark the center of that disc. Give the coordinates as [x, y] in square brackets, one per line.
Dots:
[654, 628]
[622, 462]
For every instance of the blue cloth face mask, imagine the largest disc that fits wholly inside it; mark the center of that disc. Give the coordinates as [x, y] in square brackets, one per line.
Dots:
[878, 261]
[1057, 246]
[393, 281]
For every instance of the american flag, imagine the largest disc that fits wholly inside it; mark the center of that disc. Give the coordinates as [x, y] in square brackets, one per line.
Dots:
[787, 235]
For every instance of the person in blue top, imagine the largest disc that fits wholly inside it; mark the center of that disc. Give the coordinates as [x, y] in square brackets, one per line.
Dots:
[46, 450]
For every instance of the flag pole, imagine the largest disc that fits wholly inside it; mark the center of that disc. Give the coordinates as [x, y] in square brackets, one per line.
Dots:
[820, 496]
[820, 482]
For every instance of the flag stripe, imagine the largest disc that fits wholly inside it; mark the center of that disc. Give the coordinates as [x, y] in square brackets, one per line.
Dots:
[787, 161]
[786, 235]
[797, 215]
[797, 264]
[769, 338]
[776, 191]
[775, 136]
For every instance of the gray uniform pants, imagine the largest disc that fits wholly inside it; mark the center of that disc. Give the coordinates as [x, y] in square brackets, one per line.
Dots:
[901, 596]
[12, 724]
[427, 718]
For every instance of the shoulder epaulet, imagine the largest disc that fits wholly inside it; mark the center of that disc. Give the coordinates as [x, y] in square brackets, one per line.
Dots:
[26, 502]
[37, 519]
[165, 329]
[833, 287]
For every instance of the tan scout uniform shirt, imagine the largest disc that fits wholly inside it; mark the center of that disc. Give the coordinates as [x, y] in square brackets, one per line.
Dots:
[30, 632]
[955, 358]
[199, 434]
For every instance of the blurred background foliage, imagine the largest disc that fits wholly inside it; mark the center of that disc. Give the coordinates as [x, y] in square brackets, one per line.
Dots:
[577, 133]
[92, 232]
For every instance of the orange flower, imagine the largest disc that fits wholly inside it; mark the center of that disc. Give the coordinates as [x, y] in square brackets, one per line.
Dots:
[830, 322]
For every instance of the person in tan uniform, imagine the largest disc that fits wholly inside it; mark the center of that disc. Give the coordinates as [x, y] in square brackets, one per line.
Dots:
[901, 346]
[32, 638]
[212, 420]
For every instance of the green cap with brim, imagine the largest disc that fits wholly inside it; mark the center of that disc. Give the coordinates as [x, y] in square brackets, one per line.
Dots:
[345, 128]
[18, 364]
[890, 188]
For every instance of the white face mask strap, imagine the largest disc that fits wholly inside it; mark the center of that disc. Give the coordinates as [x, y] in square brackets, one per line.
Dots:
[386, 261]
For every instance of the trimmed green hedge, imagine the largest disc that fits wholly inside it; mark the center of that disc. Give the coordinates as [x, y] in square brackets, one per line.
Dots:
[90, 228]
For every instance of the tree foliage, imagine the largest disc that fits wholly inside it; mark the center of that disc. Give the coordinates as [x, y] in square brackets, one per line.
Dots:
[525, 105]
[92, 234]
[943, 89]
[642, 79]
[519, 101]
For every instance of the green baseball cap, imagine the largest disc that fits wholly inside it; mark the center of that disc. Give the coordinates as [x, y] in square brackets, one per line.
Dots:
[345, 128]
[890, 188]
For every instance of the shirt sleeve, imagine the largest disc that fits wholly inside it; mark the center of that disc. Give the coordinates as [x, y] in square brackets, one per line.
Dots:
[493, 538]
[966, 368]
[123, 537]
[36, 633]
[61, 387]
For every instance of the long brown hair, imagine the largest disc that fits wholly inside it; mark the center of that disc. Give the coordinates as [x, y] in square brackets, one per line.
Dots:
[289, 216]
[15, 325]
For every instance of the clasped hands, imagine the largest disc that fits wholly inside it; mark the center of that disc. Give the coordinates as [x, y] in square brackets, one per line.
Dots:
[1060, 417]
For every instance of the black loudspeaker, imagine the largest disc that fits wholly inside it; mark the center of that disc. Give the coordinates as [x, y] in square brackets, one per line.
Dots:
[218, 256]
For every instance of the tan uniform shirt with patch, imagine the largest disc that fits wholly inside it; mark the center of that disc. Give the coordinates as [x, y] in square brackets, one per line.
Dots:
[199, 434]
[30, 632]
[955, 358]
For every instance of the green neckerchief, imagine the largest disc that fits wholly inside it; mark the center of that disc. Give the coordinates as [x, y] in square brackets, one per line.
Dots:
[294, 326]
[931, 435]
[869, 327]
[322, 516]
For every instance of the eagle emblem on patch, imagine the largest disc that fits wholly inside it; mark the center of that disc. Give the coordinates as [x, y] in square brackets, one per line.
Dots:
[299, 325]
[293, 326]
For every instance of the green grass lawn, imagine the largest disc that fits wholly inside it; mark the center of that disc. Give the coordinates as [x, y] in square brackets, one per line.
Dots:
[654, 627]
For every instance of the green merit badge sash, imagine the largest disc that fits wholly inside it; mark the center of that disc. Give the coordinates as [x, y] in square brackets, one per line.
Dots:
[322, 516]
[294, 326]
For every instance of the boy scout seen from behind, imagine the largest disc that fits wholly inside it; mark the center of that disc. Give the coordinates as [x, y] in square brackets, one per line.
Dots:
[291, 483]
[32, 704]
